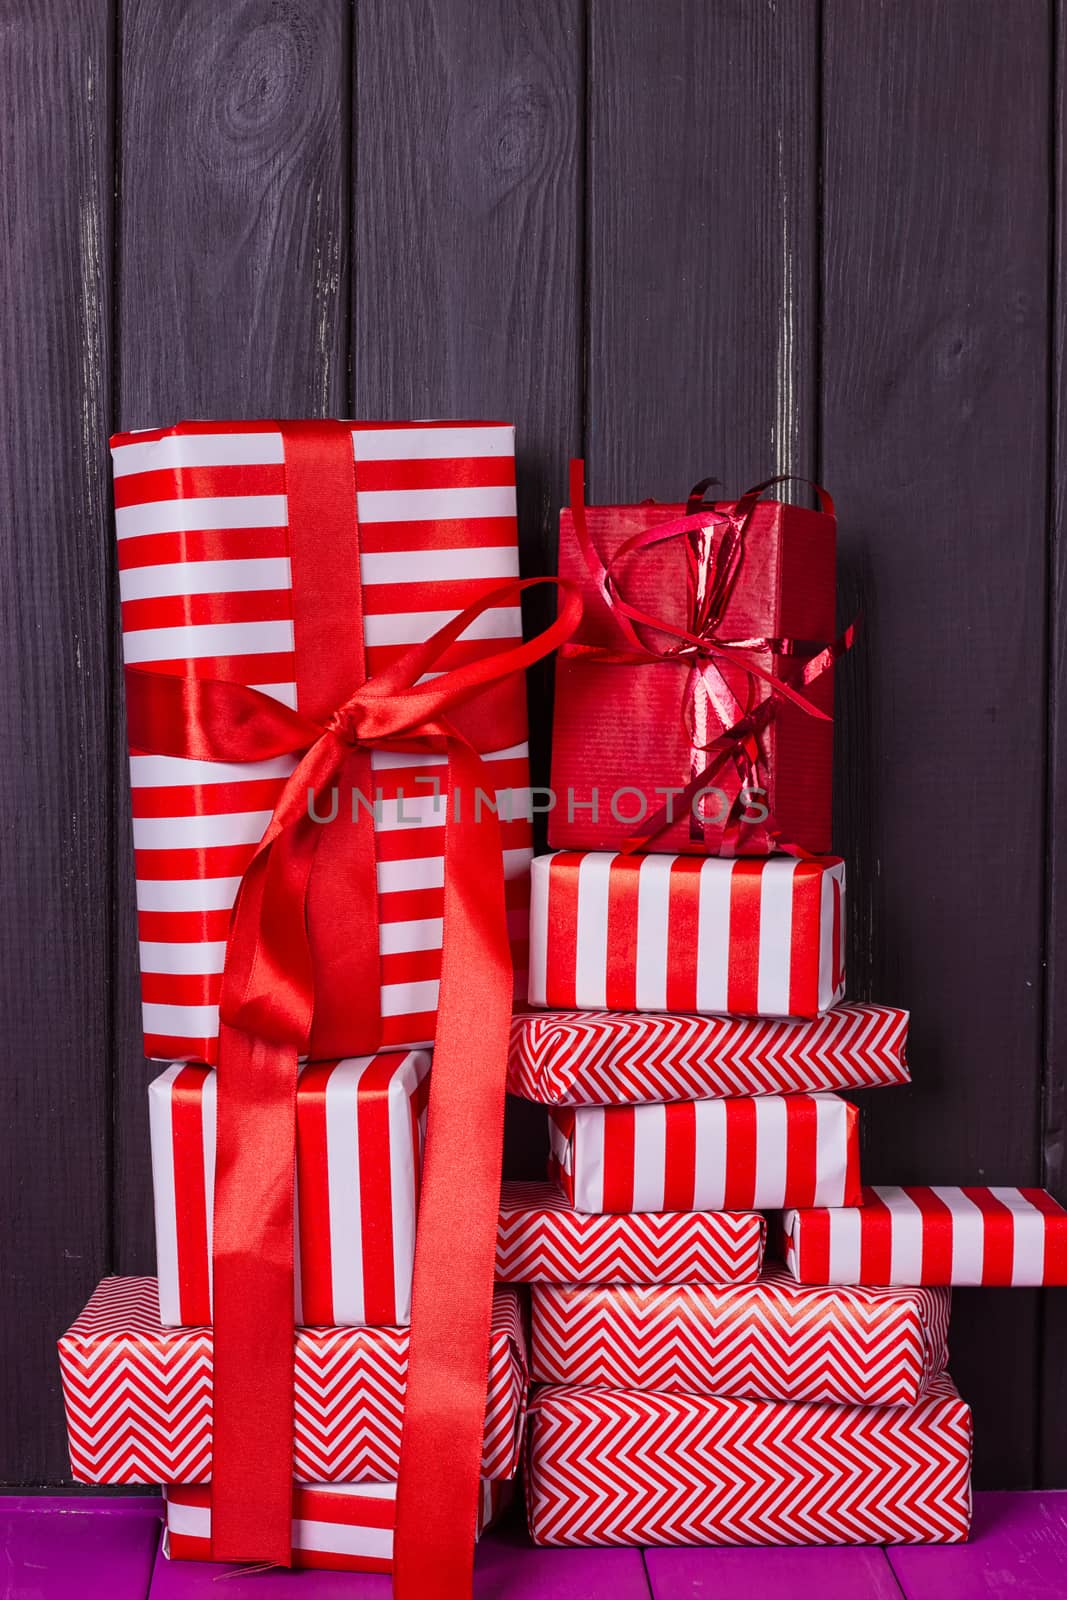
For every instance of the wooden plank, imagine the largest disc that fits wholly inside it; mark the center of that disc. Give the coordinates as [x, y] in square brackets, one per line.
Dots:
[1052, 1441]
[819, 1573]
[1018, 1547]
[233, 302]
[97, 1550]
[55, 921]
[702, 176]
[935, 325]
[467, 226]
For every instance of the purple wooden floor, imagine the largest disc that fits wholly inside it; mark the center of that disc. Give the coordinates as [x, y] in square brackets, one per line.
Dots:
[99, 1548]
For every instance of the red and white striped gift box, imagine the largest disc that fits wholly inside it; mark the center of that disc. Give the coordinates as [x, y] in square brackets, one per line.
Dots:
[337, 1527]
[629, 1467]
[746, 938]
[359, 1132]
[707, 1155]
[918, 1234]
[138, 1396]
[542, 1240]
[201, 514]
[602, 1058]
[771, 1340]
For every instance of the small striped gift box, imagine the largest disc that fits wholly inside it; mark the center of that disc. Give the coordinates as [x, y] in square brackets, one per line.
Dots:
[359, 1134]
[687, 934]
[918, 1234]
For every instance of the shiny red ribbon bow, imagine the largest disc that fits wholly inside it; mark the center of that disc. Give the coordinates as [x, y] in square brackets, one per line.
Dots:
[713, 571]
[266, 1013]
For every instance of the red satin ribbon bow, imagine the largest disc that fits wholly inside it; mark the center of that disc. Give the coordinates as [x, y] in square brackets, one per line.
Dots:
[266, 1012]
[713, 571]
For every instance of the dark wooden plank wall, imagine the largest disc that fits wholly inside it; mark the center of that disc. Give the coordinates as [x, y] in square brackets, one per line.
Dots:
[707, 235]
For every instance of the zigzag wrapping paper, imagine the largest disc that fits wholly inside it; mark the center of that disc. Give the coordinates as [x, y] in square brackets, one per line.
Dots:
[337, 1527]
[139, 1400]
[771, 1340]
[708, 1155]
[201, 514]
[602, 1058]
[542, 1240]
[359, 1132]
[617, 1466]
[747, 938]
[991, 1236]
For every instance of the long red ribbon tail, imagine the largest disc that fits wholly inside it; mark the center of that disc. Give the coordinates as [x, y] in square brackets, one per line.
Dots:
[444, 1415]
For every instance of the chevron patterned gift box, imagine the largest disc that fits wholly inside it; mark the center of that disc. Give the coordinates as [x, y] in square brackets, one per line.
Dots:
[139, 1403]
[744, 938]
[938, 1234]
[625, 1467]
[602, 1058]
[359, 1132]
[771, 1340]
[543, 1240]
[708, 1155]
[337, 1527]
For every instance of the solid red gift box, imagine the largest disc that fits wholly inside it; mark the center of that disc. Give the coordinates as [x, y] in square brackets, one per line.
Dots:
[936, 1234]
[770, 1340]
[624, 734]
[625, 1467]
[679, 933]
[587, 1058]
[542, 1239]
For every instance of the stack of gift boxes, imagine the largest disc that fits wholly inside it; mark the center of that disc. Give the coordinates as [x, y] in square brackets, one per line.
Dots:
[686, 1033]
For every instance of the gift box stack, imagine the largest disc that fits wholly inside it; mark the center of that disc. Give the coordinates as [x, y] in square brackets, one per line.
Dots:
[690, 964]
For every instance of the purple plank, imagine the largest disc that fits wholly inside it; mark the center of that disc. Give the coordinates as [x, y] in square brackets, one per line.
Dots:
[97, 1549]
[1018, 1546]
[818, 1573]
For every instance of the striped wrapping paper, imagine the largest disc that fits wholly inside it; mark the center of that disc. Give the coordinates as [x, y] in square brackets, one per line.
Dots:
[359, 1133]
[996, 1237]
[687, 934]
[771, 1340]
[600, 1058]
[707, 1155]
[138, 1396]
[337, 1527]
[542, 1240]
[202, 521]
[630, 1467]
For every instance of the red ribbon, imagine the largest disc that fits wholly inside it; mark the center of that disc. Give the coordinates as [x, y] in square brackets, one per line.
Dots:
[270, 993]
[713, 573]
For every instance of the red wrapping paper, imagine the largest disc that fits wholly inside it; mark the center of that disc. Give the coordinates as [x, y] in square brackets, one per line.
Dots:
[359, 1136]
[771, 1340]
[707, 1155]
[621, 730]
[587, 1058]
[672, 933]
[139, 1408]
[542, 1240]
[932, 1235]
[623, 1467]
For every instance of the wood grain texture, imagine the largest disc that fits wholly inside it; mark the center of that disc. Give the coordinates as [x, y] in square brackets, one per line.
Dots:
[934, 356]
[701, 201]
[233, 302]
[55, 717]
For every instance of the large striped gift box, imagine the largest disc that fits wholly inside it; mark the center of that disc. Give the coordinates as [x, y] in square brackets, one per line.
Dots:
[541, 1239]
[590, 1058]
[998, 1237]
[359, 1133]
[748, 938]
[138, 1396]
[708, 1155]
[207, 586]
[337, 1527]
[632, 1467]
[771, 1340]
